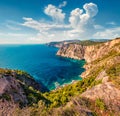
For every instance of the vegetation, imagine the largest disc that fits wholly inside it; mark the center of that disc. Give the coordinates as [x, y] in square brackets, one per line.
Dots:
[33, 95]
[5, 96]
[63, 95]
[44, 103]
[100, 104]
[88, 43]
[114, 74]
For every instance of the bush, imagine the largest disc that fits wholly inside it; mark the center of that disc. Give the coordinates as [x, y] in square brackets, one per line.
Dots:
[6, 96]
[100, 104]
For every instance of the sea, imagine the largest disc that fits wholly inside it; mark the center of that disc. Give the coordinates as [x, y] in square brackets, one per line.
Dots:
[41, 62]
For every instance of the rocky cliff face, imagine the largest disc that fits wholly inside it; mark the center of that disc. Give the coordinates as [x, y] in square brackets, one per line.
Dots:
[103, 64]
[17, 89]
[89, 53]
[107, 92]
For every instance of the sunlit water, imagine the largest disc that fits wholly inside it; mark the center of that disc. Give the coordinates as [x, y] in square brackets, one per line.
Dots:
[42, 63]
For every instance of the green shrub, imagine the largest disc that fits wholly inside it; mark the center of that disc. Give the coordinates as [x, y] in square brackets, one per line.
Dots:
[6, 96]
[100, 104]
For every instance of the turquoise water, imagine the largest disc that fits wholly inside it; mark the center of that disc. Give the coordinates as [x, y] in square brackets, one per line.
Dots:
[42, 63]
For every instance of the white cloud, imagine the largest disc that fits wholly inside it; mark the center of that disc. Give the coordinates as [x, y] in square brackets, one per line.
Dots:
[98, 27]
[43, 26]
[83, 22]
[81, 25]
[111, 23]
[47, 31]
[79, 19]
[75, 17]
[91, 9]
[108, 33]
[56, 13]
[63, 4]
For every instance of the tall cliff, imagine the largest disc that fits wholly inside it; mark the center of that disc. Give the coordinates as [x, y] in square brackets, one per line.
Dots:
[102, 64]
[88, 52]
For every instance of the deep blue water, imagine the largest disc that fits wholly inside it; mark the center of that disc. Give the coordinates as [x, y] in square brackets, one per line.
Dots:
[42, 63]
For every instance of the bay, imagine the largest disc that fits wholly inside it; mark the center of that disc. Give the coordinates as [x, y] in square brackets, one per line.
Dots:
[41, 62]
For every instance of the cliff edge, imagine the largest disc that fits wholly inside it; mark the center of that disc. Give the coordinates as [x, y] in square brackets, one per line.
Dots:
[103, 65]
[88, 52]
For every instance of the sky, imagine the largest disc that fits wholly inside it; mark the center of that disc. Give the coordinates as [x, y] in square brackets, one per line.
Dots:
[42, 21]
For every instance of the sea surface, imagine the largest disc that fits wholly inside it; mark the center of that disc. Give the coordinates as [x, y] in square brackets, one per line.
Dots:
[42, 63]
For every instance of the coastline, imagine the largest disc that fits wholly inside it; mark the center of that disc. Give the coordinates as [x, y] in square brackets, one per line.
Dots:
[74, 80]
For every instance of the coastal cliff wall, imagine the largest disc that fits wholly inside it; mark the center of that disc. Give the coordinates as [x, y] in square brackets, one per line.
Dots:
[90, 52]
[102, 65]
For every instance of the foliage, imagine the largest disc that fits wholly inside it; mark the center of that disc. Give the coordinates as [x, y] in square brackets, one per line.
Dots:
[108, 56]
[88, 43]
[33, 95]
[114, 74]
[99, 103]
[5, 96]
[64, 94]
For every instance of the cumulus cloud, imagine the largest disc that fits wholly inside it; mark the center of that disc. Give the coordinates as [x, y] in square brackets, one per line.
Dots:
[63, 4]
[91, 9]
[56, 13]
[80, 19]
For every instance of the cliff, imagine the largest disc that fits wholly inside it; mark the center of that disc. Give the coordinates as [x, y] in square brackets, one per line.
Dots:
[17, 89]
[103, 65]
[88, 52]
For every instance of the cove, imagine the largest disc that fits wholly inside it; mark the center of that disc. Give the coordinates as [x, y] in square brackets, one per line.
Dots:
[41, 62]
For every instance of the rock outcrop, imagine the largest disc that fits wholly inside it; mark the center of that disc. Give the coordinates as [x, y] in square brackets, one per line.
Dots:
[107, 92]
[16, 87]
[90, 52]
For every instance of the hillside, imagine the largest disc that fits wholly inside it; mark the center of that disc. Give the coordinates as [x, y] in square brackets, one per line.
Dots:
[103, 64]
[97, 94]
[17, 90]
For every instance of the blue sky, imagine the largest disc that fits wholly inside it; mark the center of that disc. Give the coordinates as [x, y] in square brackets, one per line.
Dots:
[41, 21]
